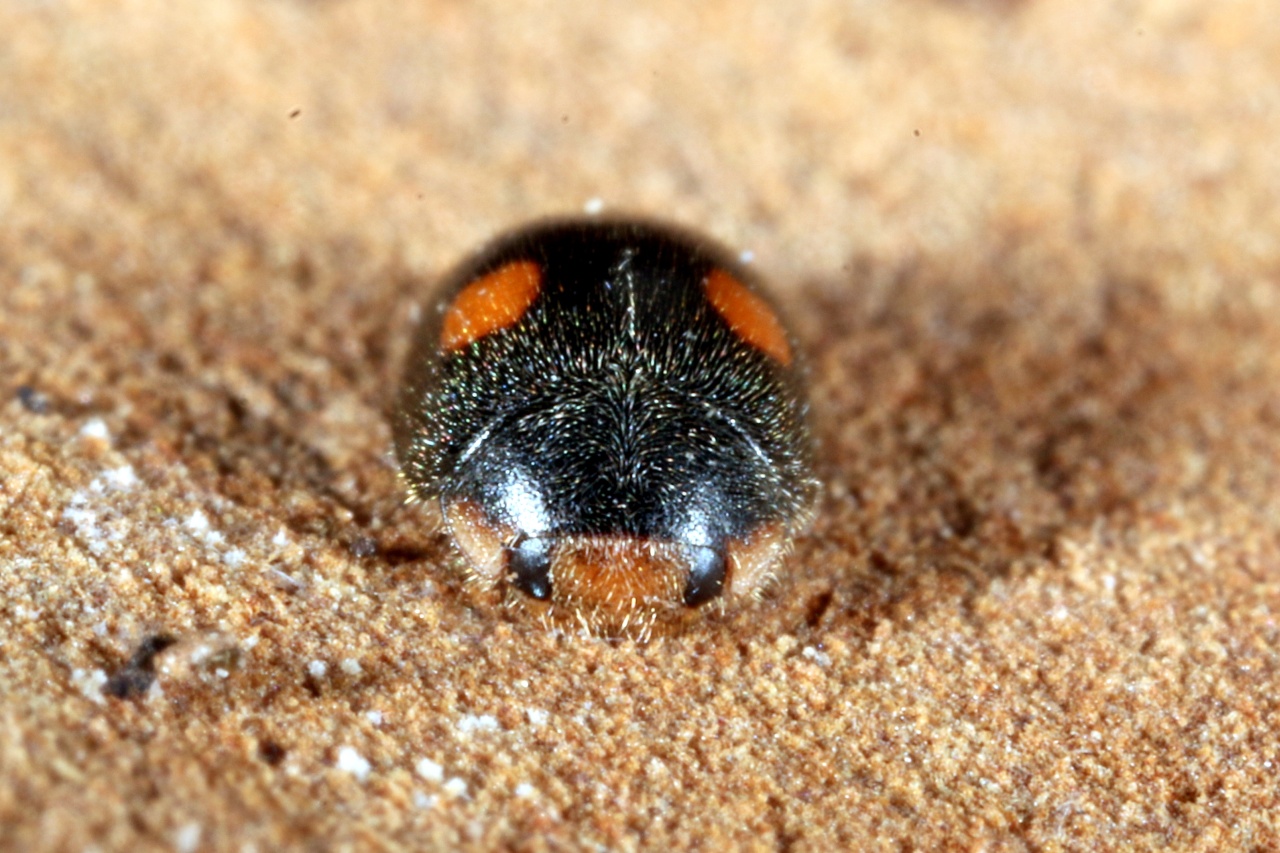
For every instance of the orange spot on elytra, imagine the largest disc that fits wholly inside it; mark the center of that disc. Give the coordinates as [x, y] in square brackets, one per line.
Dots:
[491, 302]
[748, 315]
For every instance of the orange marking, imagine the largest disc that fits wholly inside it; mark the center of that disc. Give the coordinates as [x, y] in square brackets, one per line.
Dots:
[748, 315]
[752, 560]
[480, 540]
[617, 575]
[492, 302]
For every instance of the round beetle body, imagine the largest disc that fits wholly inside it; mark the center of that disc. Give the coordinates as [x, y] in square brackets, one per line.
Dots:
[610, 414]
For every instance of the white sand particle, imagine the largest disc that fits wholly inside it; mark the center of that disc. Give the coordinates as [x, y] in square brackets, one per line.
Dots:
[818, 656]
[89, 682]
[120, 479]
[472, 723]
[187, 838]
[429, 770]
[95, 429]
[353, 763]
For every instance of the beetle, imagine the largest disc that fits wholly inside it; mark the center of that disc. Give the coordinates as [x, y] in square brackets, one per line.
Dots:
[610, 413]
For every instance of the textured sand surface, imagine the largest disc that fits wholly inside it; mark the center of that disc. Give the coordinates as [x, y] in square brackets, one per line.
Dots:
[1033, 250]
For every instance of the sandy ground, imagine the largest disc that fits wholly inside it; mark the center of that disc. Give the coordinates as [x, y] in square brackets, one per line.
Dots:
[1033, 251]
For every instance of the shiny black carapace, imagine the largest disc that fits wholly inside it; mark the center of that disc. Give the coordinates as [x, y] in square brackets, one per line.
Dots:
[610, 414]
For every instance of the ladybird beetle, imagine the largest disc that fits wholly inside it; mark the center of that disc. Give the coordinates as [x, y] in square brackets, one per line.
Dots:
[610, 415]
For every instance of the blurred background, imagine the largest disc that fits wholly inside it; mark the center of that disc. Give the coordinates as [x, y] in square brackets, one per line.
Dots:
[811, 132]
